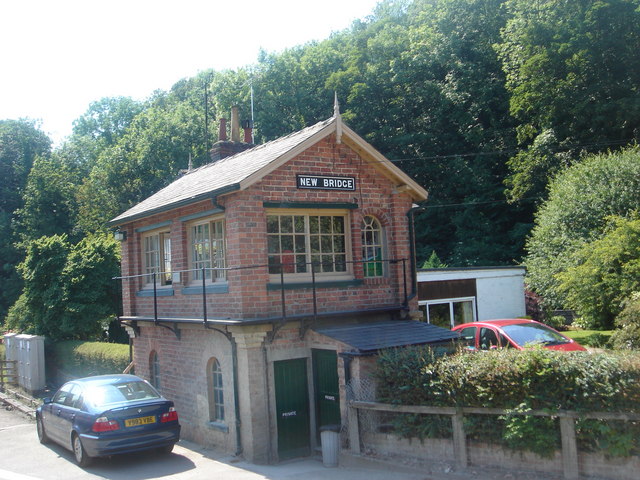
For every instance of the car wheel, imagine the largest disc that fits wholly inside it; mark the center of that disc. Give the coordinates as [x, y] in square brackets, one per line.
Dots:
[42, 435]
[82, 458]
[166, 450]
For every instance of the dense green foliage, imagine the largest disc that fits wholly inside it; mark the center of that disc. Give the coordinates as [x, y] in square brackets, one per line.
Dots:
[628, 322]
[74, 359]
[581, 201]
[482, 102]
[517, 381]
[610, 266]
[20, 144]
[68, 289]
[573, 74]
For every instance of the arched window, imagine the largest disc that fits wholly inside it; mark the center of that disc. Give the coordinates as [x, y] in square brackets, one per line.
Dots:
[154, 370]
[216, 391]
[372, 247]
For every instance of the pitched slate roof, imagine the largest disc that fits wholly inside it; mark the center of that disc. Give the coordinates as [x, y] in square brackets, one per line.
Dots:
[367, 338]
[243, 169]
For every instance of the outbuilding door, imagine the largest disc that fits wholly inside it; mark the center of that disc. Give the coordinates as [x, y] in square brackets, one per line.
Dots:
[292, 408]
[327, 393]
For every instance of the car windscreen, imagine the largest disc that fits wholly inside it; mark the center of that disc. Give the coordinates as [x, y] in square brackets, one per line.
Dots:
[533, 333]
[104, 395]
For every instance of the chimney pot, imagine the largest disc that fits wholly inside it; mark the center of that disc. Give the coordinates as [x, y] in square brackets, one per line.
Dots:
[248, 131]
[222, 133]
[235, 124]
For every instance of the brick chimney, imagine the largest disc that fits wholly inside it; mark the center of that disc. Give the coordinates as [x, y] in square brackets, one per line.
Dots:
[224, 148]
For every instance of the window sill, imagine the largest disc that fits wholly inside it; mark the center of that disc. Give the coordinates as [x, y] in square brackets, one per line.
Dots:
[212, 288]
[160, 292]
[219, 426]
[319, 284]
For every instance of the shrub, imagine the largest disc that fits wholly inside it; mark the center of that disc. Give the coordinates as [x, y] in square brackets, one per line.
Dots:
[628, 337]
[517, 381]
[75, 359]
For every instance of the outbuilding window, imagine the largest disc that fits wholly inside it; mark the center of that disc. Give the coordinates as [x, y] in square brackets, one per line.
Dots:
[448, 313]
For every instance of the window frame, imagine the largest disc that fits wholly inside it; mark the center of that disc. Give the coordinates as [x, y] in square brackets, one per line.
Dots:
[214, 224]
[450, 302]
[377, 264]
[215, 384]
[307, 213]
[154, 370]
[164, 276]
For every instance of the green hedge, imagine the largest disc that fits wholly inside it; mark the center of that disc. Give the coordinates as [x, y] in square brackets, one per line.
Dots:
[517, 381]
[74, 359]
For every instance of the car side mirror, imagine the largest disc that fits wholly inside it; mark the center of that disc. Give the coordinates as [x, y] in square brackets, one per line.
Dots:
[46, 400]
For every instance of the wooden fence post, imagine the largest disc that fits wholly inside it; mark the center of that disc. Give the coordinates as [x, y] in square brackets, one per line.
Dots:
[354, 430]
[459, 440]
[569, 447]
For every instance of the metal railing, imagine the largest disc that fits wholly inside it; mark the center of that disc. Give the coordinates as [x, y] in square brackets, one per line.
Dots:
[281, 267]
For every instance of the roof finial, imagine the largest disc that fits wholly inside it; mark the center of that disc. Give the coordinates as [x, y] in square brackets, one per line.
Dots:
[338, 118]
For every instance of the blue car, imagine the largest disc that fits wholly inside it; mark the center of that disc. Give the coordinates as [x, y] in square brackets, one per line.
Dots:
[107, 415]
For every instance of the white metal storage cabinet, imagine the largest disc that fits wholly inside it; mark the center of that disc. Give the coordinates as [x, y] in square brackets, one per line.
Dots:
[28, 352]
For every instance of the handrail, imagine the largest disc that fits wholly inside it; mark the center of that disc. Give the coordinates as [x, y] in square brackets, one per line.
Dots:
[315, 266]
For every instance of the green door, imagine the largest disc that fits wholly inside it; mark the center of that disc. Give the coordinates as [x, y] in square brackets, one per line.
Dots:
[292, 408]
[325, 379]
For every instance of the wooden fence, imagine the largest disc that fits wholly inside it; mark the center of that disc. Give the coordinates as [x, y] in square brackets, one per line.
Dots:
[8, 372]
[567, 427]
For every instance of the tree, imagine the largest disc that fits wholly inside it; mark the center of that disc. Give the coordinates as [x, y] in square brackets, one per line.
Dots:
[69, 290]
[581, 199]
[49, 200]
[40, 306]
[89, 291]
[107, 119]
[20, 143]
[606, 273]
[573, 73]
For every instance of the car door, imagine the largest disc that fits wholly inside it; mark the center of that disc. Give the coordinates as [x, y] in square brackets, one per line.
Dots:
[52, 413]
[68, 413]
[468, 337]
[488, 338]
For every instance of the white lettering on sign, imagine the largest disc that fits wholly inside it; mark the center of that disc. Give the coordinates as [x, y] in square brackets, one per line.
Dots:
[330, 397]
[326, 183]
[290, 414]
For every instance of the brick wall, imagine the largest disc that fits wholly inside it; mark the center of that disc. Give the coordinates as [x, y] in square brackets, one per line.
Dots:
[245, 219]
[483, 455]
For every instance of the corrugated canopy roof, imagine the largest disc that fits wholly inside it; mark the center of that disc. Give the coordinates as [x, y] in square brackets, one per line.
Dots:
[372, 337]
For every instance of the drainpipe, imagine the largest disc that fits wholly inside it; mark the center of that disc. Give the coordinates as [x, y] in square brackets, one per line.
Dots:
[236, 401]
[412, 251]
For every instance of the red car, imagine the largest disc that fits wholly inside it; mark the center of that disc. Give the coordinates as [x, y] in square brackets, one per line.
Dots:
[513, 333]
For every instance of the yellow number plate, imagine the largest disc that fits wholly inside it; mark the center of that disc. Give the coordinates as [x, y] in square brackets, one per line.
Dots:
[134, 422]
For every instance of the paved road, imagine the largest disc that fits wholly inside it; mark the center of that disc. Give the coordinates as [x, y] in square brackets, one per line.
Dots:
[22, 457]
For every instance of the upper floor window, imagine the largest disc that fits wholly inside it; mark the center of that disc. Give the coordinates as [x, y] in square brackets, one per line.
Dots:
[207, 250]
[298, 240]
[156, 249]
[372, 247]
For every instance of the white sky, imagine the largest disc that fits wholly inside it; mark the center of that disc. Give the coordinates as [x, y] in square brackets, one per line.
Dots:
[58, 56]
